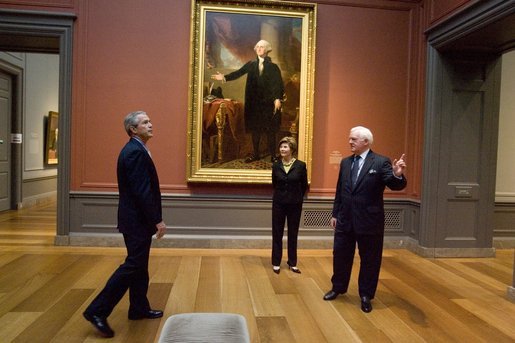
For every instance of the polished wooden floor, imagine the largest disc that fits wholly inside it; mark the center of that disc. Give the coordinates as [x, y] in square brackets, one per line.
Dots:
[44, 290]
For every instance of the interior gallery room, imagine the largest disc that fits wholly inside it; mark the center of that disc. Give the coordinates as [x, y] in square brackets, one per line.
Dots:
[250, 104]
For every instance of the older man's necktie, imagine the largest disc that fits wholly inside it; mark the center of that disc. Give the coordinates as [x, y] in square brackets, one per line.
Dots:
[354, 170]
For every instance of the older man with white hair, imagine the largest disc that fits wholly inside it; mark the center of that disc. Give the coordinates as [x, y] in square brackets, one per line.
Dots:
[358, 214]
[264, 91]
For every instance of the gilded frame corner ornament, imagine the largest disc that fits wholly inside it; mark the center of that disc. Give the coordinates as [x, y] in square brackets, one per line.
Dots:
[223, 35]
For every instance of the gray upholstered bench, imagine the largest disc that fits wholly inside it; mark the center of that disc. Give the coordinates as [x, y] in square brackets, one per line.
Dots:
[205, 327]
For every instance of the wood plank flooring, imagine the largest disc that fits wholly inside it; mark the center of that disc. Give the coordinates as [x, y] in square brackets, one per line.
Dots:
[44, 289]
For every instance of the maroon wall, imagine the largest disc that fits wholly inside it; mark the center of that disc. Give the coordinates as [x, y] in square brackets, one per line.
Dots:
[130, 55]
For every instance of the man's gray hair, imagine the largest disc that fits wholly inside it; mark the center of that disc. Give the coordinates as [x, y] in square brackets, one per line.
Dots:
[131, 120]
[364, 133]
[265, 44]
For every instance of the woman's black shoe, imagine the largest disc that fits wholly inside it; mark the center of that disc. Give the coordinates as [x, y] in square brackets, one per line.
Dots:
[294, 269]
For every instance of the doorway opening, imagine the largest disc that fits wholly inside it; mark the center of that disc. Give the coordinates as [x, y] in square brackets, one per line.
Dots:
[461, 129]
[51, 33]
[29, 96]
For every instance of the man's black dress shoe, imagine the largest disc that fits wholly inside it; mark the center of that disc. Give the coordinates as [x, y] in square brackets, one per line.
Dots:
[331, 295]
[150, 314]
[366, 306]
[100, 324]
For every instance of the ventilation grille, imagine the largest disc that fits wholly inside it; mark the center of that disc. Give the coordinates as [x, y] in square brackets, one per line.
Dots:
[319, 219]
[392, 220]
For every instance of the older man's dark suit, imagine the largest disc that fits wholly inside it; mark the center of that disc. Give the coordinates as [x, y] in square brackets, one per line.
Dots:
[289, 190]
[360, 218]
[139, 210]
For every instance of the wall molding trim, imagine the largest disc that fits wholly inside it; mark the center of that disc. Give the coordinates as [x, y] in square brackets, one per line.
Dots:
[480, 14]
[504, 225]
[215, 221]
[221, 222]
[510, 293]
[241, 222]
[40, 199]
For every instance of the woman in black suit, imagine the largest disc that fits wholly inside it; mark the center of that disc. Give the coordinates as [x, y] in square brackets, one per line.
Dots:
[290, 181]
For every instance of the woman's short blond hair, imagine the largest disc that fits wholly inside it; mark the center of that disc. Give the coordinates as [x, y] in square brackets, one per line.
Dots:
[292, 142]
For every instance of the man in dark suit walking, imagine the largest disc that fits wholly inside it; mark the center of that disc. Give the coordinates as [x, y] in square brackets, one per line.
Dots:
[358, 214]
[139, 218]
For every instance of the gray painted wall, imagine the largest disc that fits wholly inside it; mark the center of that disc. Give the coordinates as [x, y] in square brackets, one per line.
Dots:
[39, 77]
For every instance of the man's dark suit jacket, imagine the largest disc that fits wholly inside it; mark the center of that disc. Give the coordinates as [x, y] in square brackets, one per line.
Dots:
[289, 188]
[362, 209]
[260, 94]
[139, 207]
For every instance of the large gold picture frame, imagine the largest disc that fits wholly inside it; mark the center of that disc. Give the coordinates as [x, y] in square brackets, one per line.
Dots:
[223, 34]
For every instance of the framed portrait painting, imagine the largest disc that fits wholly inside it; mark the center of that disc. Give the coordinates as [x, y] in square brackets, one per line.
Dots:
[251, 84]
[51, 135]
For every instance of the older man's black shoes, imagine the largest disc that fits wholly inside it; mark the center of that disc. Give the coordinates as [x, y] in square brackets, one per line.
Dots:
[366, 306]
[100, 324]
[150, 314]
[331, 295]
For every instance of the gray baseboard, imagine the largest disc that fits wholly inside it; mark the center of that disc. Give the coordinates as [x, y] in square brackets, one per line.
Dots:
[39, 199]
[182, 242]
[177, 241]
[240, 222]
[504, 242]
[221, 222]
[504, 225]
[510, 293]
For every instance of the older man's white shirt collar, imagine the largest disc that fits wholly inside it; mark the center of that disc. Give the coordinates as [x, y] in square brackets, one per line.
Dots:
[364, 154]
